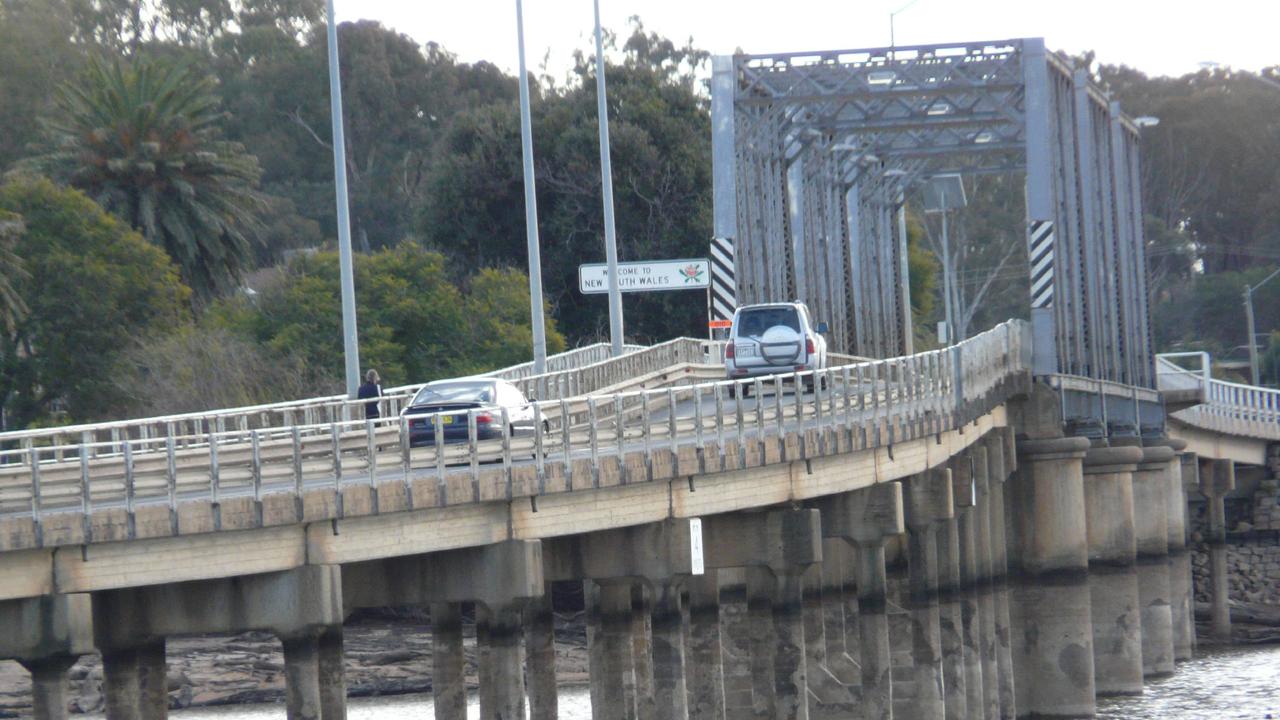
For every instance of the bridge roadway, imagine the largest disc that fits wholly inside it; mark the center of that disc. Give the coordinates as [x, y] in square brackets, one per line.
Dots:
[883, 491]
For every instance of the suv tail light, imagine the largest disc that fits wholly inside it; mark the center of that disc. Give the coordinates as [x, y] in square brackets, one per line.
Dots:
[808, 344]
[728, 350]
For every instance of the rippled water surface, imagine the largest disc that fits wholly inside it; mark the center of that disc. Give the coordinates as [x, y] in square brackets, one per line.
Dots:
[1219, 684]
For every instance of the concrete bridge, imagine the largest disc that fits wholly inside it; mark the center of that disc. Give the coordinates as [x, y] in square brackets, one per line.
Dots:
[916, 535]
[995, 529]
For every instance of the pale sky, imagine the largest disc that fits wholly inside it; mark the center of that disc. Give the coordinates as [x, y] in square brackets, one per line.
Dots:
[1159, 37]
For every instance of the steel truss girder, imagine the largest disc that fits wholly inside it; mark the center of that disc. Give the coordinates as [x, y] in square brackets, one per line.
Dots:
[820, 147]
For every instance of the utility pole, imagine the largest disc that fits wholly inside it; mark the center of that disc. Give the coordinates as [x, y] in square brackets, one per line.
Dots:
[530, 208]
[350, 339]
[1248, 317]
[606, 184]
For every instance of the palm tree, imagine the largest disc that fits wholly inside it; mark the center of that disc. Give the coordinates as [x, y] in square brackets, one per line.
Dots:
[143, 140]
[12, 307]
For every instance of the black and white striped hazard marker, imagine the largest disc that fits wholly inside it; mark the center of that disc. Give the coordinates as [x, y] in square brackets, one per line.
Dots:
[1040, 252]
[724, 289]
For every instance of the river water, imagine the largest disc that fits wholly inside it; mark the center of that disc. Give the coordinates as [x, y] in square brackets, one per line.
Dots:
[1219, 684]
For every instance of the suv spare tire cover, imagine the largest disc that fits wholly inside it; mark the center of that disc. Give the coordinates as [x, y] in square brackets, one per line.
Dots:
[780, 345]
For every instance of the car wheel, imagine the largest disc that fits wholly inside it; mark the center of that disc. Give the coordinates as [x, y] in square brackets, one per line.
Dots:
[733, 391]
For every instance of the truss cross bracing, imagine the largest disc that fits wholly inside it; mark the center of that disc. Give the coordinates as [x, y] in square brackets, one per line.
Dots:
[814, 153]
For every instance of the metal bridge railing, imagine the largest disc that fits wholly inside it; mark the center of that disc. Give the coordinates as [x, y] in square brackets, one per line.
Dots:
[191, 428]
[577, 442]
[1226, 407]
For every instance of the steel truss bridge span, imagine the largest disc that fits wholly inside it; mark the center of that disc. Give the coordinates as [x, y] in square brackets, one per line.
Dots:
[814, 152]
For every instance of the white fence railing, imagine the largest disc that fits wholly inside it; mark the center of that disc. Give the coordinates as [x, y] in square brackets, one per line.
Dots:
[1227, 407]
[573, 441]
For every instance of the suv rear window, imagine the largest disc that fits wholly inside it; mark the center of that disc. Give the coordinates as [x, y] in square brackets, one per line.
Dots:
[754, 322]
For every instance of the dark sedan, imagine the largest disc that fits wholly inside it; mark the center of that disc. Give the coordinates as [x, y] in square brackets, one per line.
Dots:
[452, 400]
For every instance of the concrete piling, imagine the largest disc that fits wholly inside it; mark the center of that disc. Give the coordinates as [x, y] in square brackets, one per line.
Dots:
[986, 589]
[49, 686]
[1052, 628]
[1113, 578]
[951, 621]
[669, 696]
[928, 502]
[499, 629]
[1217, 478]
[1180, 606]
[540, 658]
[1150, 487]
[448, 687]
[333, 681]
[965, 494]
[120, 687]
[1001, 460]
[153, 685]
[302, 676]
[705, 675]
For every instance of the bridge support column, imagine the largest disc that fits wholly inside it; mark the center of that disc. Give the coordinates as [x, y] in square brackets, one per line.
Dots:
[1150, 488]
[1052, 630]
[302, 676]
[986, 590]
[121, 692]
[964, 490]
[1179, 559]
[153, 684]
[49, 686]
[705, 675]
[642, 649]
[1113, 579]
[498, 631]
[790, 674]
[46, 635]
[831, 695]
[1217, 478]
[448, 687]
[1001, 460]
[616, 658]
[669, 695]
[951, 620]
[540, 657]
[837, 575]
[736, 644]
[760, 589]
[928, 502]
[333, 679]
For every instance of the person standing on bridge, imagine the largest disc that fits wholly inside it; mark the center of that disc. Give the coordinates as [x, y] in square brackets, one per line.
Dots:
[370, 389]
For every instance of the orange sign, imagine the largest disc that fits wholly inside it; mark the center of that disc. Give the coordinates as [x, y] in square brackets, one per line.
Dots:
[719, 324]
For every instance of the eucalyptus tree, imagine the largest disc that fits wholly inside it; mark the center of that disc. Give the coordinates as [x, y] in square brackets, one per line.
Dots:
[144, 140]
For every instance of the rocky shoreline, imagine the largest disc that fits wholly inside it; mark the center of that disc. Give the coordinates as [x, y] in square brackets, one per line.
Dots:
[387, 653]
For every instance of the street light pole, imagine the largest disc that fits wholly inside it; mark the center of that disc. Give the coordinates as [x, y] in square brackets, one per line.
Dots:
[946, 274]
[1248, 316]
[530, 208]
[350, 340]
[606, 181]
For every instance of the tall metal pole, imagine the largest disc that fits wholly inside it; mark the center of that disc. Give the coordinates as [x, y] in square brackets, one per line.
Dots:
[350, 341]
[530, 208]
[1253, 343]
[946, 273]
[606, 180]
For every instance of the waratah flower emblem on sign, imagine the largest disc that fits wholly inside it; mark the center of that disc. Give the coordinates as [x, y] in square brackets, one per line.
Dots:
[691, 273]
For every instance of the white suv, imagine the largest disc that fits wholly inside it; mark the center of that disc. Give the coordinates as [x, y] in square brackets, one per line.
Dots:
[774, 338]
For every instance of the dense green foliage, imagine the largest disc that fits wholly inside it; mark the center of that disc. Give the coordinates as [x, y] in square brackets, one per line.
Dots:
[91, 283]
[144, 141]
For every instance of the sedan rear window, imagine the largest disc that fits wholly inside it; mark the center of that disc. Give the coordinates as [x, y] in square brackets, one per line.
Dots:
[754, 322]
[455, 393]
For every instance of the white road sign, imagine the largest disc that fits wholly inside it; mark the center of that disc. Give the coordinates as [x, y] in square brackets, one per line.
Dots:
[647, 276]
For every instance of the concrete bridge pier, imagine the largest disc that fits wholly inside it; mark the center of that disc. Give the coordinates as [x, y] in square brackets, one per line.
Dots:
[866, 518]
[951, 618]
[448, 686]
[1180, 602]
[928, 502]
[132, 624]
[837, 580]
[540, 657]
[964, 491]
[498, 632]
[1150, 504]
[1001, 461]
[705, 675]
[46, 635]
[986, 583]
[1113, 578]
[1217, 478]
[735, 643]
[829, 696]
[1052, 630]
